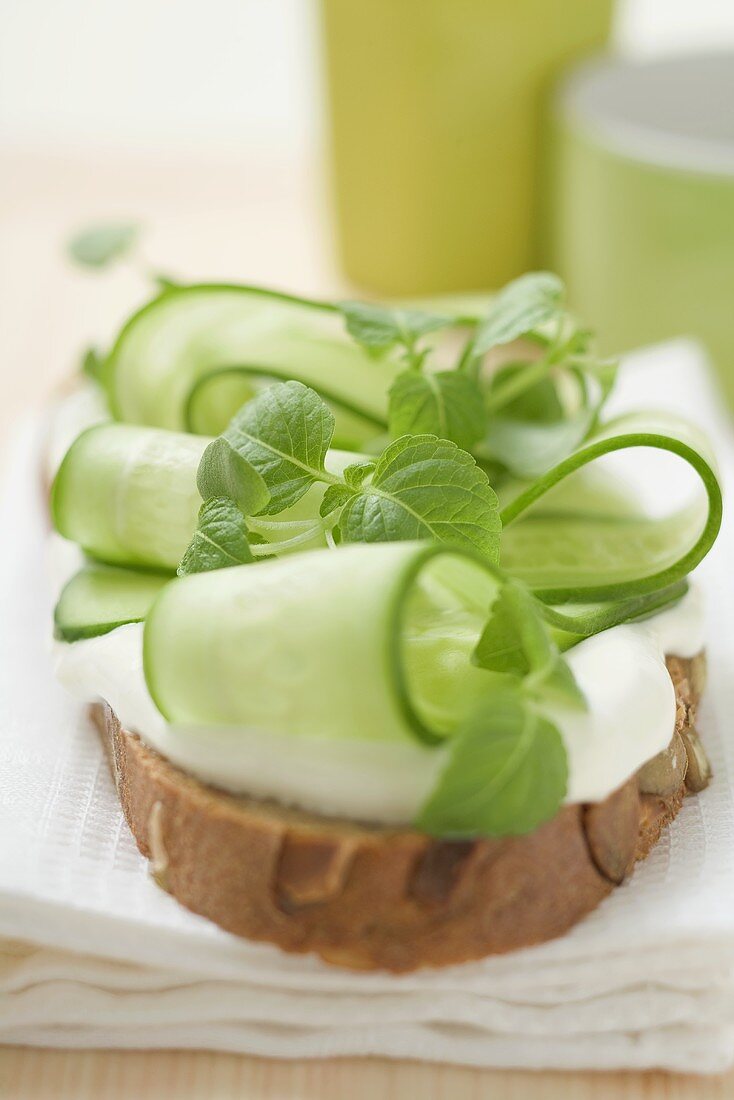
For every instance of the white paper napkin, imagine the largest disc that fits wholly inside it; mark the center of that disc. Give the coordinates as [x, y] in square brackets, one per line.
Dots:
[97, 955]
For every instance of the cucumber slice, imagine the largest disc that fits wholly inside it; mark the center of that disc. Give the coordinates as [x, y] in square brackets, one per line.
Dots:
[99, 598]
[157, 366]
[369, 642]
[218, 395]
[127, 495]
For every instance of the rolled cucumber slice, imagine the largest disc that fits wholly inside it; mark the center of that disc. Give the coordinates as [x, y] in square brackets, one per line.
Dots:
[368, 642]
[239, 339]
[99, 598]
[128, 496]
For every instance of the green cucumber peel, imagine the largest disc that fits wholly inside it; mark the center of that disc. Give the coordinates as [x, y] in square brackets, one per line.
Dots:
[367, 424]
[633, 545]
[585, 621]
[170, 353]
[420, 487]
[92, 365]
[99, 598]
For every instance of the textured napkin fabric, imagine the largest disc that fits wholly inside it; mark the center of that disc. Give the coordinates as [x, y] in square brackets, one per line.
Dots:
[96, 955]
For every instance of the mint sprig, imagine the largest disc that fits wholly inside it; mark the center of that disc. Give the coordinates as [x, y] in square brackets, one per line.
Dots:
[379, 328]
[420, 487]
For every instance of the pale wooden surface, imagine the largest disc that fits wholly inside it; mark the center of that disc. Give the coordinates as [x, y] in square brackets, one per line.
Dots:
[255, 219]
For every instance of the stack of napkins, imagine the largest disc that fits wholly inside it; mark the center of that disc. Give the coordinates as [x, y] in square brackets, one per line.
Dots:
[94, 954]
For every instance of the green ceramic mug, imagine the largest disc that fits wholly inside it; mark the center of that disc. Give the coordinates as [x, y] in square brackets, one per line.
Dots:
[436, 113]
[641, 200]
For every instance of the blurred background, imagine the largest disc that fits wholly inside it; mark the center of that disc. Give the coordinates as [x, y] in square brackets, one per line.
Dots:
[389, 147]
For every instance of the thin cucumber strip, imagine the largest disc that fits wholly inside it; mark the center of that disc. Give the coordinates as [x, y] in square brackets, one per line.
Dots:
[581, 557]
[189, 332]
[325, 645]
[582, 621]
[128, 496]
[100, 598]
[217, 395]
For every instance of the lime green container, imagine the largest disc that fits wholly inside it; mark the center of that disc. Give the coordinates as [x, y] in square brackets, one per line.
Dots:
[641, 201]
[436, 115]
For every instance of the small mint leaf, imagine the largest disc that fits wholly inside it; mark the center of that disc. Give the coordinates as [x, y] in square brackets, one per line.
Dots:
[98, 245]
[355, 474]
[447, 404]
[501, 648]
[520, 307]
[507, 773]
[335, 497]
[225, 473]
[283, 434]
[516, 641]
[425, 488]
[378, 328]
[220, 539]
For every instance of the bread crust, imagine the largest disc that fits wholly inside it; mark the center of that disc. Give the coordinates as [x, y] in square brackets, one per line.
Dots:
[369, 897]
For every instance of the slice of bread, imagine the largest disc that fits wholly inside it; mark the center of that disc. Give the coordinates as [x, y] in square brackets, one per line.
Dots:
[368, 897]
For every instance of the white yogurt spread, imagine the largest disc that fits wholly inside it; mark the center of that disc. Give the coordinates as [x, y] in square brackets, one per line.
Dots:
[630, 718]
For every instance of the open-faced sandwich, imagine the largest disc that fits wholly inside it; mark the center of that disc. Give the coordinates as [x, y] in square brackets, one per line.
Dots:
[392, 662]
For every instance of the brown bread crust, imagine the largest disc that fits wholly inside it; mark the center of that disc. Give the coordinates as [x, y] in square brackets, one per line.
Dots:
[369, 897]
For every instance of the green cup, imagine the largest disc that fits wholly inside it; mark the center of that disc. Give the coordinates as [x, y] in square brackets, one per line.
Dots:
[436, 114]
[641, 201]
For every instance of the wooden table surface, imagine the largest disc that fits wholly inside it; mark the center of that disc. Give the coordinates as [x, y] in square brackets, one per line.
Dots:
[258, 220]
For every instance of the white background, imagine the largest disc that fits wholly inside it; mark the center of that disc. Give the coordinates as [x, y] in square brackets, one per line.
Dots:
[225, 75]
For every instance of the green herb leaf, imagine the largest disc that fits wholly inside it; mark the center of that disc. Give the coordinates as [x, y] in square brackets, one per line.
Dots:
[336, 496]
[220, 539]
[501, 648]
[284, 434]
[223, 472]
[516, 641]
[355, 474]
[522, 306]
[447, 404]
[378, 328]
[98, 245]
[507, 773]
[424, 487]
